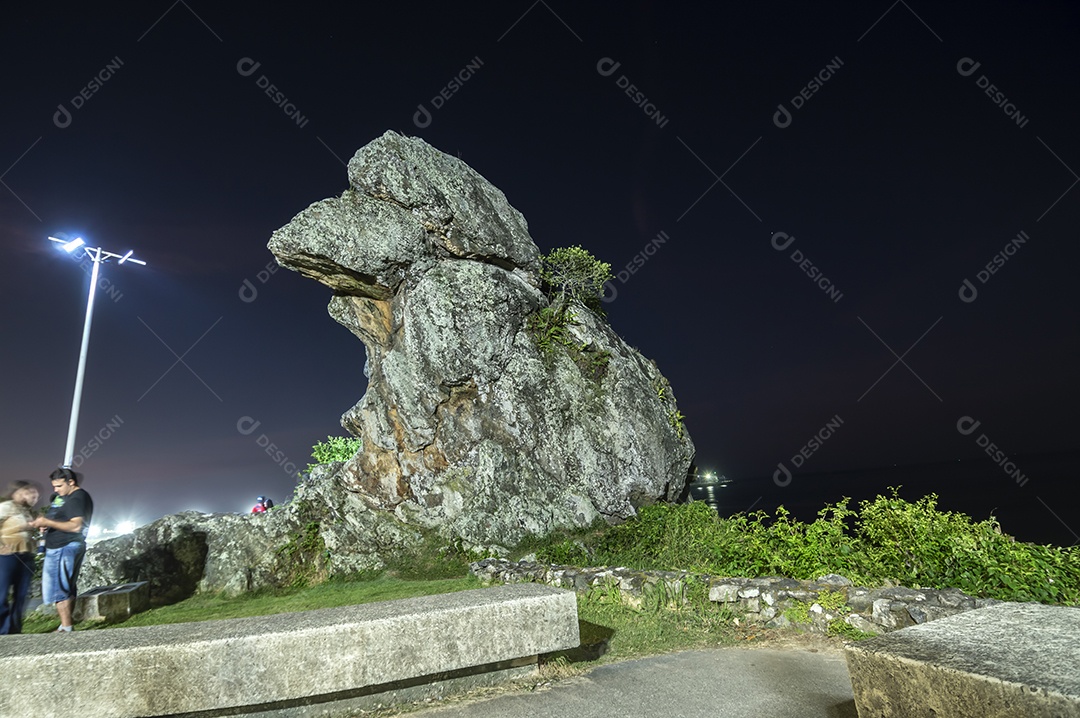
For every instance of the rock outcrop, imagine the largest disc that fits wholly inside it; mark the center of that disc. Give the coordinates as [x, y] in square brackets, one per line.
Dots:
[323, 530]
[467, 426]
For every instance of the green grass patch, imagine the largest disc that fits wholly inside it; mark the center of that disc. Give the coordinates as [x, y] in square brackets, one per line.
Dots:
[432, 559]
[657, 622]
[208, 607]
[841, 628]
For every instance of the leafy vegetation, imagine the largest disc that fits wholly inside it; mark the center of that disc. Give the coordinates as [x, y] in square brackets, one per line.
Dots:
[432, 558]
[573, 275]
[841, 628]
[887, 539]
[567, 552]
[660, 622]
[335, 448]
[550, 330]
[304, 560]
[675, 418]
[573, 279]
[830, 601]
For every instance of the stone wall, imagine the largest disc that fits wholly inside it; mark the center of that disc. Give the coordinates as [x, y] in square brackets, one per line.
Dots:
[772, 601]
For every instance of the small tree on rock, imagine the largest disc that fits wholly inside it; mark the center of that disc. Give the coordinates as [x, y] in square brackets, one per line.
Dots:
[574, 275]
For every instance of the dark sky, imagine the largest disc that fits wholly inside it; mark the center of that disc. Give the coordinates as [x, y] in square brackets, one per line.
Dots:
[896, 174]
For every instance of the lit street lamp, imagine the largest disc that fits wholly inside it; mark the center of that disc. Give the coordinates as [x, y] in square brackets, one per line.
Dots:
[98, 255]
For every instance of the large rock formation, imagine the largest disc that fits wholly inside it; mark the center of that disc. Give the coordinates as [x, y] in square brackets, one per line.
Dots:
[466, 425]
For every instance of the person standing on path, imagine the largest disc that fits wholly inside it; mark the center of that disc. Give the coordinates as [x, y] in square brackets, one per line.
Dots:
[17, 545]
[67, 522]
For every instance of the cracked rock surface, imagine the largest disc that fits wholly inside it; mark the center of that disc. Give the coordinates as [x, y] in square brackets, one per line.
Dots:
[465, 427]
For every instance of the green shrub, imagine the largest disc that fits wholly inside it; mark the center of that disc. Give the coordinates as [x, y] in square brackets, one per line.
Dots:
[572, 278]
[662, 536]
[335, 448]
[926, 547]
[840, 627]
[574, 275]
[431, 559]
[887, 539]
[564, 553]
[304, 560]
[548, 328]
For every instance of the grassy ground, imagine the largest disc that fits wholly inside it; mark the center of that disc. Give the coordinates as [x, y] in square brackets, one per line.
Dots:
[208, 607]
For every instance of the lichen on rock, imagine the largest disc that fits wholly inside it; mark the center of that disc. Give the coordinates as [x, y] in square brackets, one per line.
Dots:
[465, 426]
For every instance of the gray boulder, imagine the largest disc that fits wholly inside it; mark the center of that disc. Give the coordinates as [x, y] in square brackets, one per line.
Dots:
[467, 426]
[323, 530]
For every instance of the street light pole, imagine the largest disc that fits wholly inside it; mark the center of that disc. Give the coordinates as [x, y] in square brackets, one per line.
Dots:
[98, 256]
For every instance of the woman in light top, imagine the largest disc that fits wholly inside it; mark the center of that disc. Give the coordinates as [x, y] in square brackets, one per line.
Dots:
[17, 546]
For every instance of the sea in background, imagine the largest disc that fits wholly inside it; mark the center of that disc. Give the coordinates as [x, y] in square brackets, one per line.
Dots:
[1043, 510]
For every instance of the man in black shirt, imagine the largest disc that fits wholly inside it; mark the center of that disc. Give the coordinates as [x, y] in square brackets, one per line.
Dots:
[67, 522]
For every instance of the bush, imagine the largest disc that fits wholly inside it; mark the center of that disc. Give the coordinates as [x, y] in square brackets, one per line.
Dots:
[888, 539]
[939, 549]
[564, 553]
[574, 275]
[335, 448]
[663, 536]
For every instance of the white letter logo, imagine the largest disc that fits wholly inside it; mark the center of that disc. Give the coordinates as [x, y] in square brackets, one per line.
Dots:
[972, 65]
[61, 120]
[966, 425]
[611, 65]
[247, 67]
[246, 425]
[421, 120]
[781, 118]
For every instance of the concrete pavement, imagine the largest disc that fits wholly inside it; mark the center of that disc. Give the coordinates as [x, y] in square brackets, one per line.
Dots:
[717, 683]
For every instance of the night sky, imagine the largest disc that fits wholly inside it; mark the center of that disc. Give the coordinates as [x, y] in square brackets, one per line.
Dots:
[846, 233]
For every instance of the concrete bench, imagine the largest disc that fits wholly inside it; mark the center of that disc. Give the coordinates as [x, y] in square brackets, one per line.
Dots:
[325, 663]
[1016, 660]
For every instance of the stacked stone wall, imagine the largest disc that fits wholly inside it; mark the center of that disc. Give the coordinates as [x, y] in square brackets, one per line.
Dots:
[772, 601]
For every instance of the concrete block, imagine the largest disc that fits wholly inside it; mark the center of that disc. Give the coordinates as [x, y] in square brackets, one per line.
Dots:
[315, 663]
[113, 603]
[1009, 660]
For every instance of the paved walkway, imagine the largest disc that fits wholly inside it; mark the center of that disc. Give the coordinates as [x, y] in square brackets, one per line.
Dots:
[719, 683]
